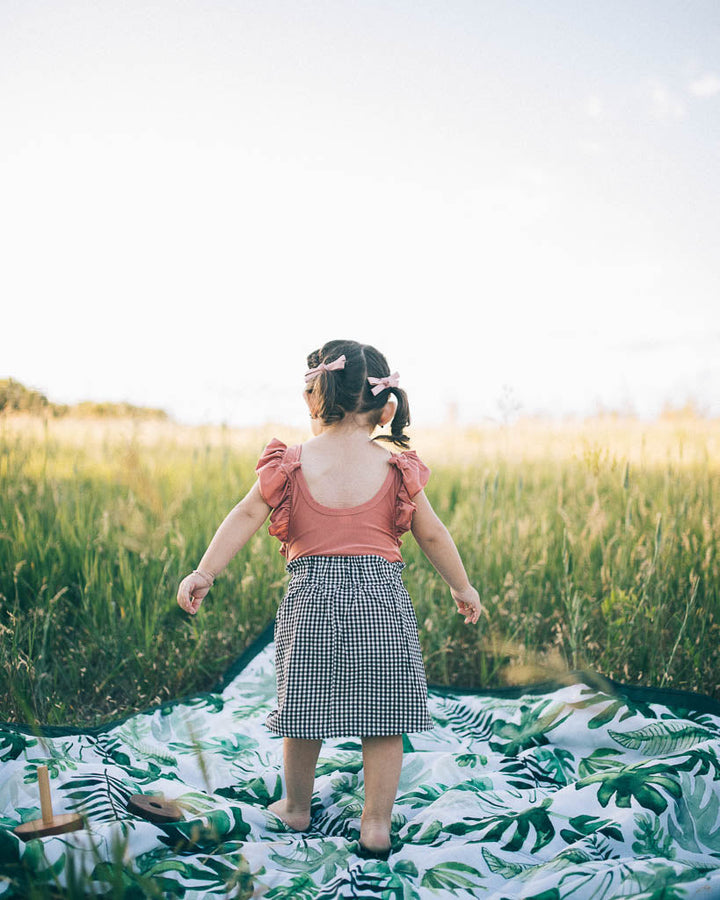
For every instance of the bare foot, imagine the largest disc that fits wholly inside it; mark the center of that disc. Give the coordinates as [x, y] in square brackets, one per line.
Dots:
[374, 836]
[298, 821]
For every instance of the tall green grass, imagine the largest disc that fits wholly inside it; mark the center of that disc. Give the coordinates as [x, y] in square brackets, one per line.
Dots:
[581, 561]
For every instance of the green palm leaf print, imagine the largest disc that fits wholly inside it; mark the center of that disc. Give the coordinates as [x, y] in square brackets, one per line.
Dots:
[101, 796]
[661, 738]
[500, 867]
[304, 857]
[450, 875]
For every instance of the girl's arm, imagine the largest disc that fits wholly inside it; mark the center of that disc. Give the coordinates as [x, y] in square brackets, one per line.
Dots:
[435, 542]
[237, 528]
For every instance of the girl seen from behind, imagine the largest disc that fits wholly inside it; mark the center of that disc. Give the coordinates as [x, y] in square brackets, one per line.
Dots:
[347, 653]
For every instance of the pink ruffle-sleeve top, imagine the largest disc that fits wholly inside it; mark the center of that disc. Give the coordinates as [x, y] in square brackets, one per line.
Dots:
[305, 527]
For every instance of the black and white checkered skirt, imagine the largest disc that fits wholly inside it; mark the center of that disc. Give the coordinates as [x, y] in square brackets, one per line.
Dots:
[347, 653]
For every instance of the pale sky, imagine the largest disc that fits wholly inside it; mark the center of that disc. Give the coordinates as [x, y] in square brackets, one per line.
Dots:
[507, 198]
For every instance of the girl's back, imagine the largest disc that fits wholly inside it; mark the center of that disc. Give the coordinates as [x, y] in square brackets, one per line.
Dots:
[341, 471]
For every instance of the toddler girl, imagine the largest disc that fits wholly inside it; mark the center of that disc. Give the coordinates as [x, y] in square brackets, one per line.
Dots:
[348, 656]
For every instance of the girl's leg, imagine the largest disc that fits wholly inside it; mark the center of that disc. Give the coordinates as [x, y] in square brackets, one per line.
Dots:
[382, 762]
[300, 758]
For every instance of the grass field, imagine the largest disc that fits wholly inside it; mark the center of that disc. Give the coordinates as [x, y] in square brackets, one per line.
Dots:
[593, 545]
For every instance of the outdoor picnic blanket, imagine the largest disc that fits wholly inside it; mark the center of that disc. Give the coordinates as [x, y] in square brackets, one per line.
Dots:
[583, 790]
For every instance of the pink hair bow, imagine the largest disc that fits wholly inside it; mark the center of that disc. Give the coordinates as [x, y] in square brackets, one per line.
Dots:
[382, 384]
[338, 363]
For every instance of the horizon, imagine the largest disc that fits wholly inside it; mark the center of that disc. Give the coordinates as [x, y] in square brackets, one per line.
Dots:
[83, 409]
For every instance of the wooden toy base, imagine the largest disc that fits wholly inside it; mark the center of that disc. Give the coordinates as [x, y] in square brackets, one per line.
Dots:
[57, 825]
[154, 809]
[49, 823]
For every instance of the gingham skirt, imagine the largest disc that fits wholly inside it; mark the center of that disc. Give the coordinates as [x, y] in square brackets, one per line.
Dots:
[347, 653]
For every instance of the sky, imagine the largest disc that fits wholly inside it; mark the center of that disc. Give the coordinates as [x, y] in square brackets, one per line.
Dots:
[517, 202]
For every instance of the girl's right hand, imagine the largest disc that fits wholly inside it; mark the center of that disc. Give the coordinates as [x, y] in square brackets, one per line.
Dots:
[193, 589]
[468, 604]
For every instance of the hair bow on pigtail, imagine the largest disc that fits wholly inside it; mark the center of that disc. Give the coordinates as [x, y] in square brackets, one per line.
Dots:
[382, 384]
[333, 366]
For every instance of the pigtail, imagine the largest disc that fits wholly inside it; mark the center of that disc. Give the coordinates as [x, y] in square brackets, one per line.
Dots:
[400, 421]
[324, 392]
[326, 388]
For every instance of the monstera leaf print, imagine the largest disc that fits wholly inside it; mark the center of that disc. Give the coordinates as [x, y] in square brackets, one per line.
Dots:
[661, 881]
[422, 833]
[224, 873]
[208, 703]
[556, 764]
[700, 761]
[301, 887]
[471, 759]
[476, 785]
[216, 828]
[696, 814]
[255, 791]
[543, 766]
[342, 762]
[651, 838]
[535, 722]
[113, 750]
[614, 706]
[583, 826]
[13, 743]
[535, 818]
[423, 795]
[55, 765]
[225, 747]
[639, 781]
[348, 792]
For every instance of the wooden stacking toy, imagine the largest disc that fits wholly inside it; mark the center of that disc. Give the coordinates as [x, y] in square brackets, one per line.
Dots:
[154, 809]
[49, 823]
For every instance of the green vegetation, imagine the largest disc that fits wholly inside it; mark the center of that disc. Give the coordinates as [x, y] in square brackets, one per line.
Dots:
[16, 398]
[582, 560]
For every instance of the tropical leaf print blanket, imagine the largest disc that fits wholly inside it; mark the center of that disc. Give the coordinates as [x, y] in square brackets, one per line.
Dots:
[584, 791]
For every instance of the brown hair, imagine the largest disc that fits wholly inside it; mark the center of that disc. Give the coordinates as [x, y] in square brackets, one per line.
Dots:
[336, 393]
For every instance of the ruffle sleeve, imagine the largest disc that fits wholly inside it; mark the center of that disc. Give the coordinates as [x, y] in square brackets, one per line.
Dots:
[414, 476]
[274, 470]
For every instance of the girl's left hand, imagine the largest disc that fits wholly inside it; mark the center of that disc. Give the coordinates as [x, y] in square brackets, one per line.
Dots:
[468, 604]
[193, 589]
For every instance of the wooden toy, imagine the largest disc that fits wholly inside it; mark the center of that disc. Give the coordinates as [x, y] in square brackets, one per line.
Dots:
[154, 809]
[49, 823]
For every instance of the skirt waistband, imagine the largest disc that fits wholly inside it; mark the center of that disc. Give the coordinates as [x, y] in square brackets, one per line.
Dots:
[362, 568]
